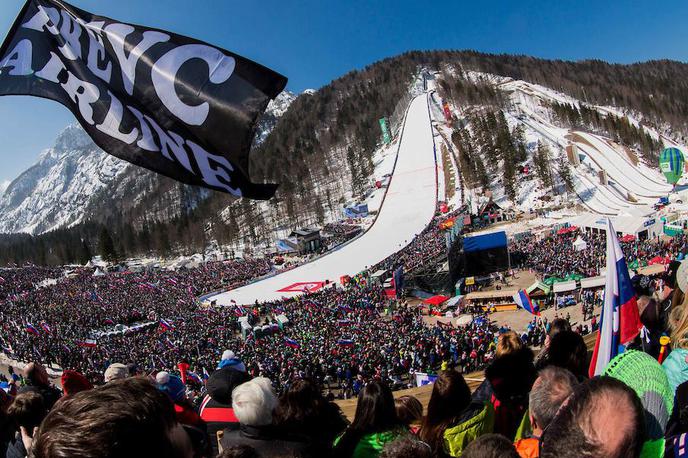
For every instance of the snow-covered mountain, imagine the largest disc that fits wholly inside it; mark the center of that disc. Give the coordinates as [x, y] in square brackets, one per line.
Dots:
[54, 191]
[62, 187]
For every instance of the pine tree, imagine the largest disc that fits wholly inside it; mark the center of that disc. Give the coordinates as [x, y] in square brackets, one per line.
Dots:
[565, 173]
[542, 165]
[106, 247]
[84, 253]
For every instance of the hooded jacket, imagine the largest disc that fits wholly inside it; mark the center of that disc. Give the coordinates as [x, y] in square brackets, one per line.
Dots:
[676, 367]
[216, 407]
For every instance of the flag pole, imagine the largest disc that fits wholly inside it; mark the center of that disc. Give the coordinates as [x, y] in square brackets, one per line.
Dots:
[15, 25]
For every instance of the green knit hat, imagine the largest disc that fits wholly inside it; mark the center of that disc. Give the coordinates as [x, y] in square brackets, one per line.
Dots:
[645, 376]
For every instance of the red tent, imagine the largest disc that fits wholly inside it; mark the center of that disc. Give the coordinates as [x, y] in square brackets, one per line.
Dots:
[566, 230]
[436, 300]
[659, 260]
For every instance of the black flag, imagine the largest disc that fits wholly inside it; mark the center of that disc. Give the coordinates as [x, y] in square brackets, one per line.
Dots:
[166, 102]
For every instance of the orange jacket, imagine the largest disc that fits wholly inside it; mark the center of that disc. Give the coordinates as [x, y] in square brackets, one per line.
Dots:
[528, 448]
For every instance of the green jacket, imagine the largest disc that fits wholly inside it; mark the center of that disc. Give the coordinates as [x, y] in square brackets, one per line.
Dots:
[371, 445]
[477, 422]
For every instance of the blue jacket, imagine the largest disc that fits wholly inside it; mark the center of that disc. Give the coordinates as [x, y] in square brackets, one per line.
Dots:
[676, 367]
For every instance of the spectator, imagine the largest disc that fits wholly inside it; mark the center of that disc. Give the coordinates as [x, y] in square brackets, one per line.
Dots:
[73, 382]
[304, 415]
[6, 427]
[116, 371]
[556, 326]
[176, 390]
[216, 407]
[642, 373]
[253, 403]
[490, 446]
[508, 380]
[229, 360]
[567, 350]
[406, 446]
[676, 365]
[375, 424]
[409, 412]
[552, 387]
[677, 427]
[36, 378]
[124, 418]
[239, 451]
[602, 417]
[453, 419]
[26, 413]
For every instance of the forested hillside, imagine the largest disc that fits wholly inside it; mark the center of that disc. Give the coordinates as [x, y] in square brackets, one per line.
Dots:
[321, 149]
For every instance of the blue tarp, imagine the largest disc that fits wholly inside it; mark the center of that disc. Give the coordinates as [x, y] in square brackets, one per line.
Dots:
[484, 242]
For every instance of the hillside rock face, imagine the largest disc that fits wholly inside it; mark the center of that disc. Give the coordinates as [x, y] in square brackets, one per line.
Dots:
[75, 180]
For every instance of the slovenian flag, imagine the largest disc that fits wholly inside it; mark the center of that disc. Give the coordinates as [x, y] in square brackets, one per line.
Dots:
[619, 320]
[166, 325]
[522, 299]
[88, 343]
[291, 343]
[345, 343]
[45, 327]
[344, 322]
[194, 377]
[31, 329]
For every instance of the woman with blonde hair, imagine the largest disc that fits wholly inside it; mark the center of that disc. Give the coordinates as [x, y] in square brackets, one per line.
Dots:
[508, 380]
[675, 365]
[507, 343]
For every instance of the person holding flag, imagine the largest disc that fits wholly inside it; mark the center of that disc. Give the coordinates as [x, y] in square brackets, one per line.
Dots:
[619, 319]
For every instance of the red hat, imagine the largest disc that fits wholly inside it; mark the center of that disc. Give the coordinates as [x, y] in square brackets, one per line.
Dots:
[73, 382]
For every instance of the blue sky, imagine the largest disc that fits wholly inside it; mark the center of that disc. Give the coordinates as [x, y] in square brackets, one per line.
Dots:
[315, 41]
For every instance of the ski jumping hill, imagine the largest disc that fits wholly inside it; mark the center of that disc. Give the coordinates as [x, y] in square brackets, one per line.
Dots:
[608, 178]
[407, 209]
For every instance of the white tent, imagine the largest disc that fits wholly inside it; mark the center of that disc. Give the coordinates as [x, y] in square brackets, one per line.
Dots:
[579, 244]
[99, 272]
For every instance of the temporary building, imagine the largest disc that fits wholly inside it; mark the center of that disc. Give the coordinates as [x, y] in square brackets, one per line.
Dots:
[436, 300]
[564, 286]
[579, 244]
[593, 282]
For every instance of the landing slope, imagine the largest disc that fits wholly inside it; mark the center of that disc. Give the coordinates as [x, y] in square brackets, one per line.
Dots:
[408, 208]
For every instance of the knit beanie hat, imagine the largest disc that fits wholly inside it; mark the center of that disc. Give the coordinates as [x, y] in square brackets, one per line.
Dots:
[116, 371]
[73, 382]
[170, 384]
[229, 359]
[645, 376]
[221, 383]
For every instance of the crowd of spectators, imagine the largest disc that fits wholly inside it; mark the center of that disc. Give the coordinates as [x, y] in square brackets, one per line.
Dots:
[555, 255]
[186, 383]
[526, 406]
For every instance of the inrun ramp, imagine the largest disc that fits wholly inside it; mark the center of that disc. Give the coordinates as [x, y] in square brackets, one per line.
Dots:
[408, 208]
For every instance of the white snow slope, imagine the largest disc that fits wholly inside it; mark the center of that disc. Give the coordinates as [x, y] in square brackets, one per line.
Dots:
[407, 209]
[632, 189]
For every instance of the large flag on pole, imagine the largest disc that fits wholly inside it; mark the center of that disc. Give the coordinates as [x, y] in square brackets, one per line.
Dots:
[169, 103]
[522, 299]
[619, 320]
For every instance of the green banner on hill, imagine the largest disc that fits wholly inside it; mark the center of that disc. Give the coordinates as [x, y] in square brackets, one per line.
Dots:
[386, 137]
